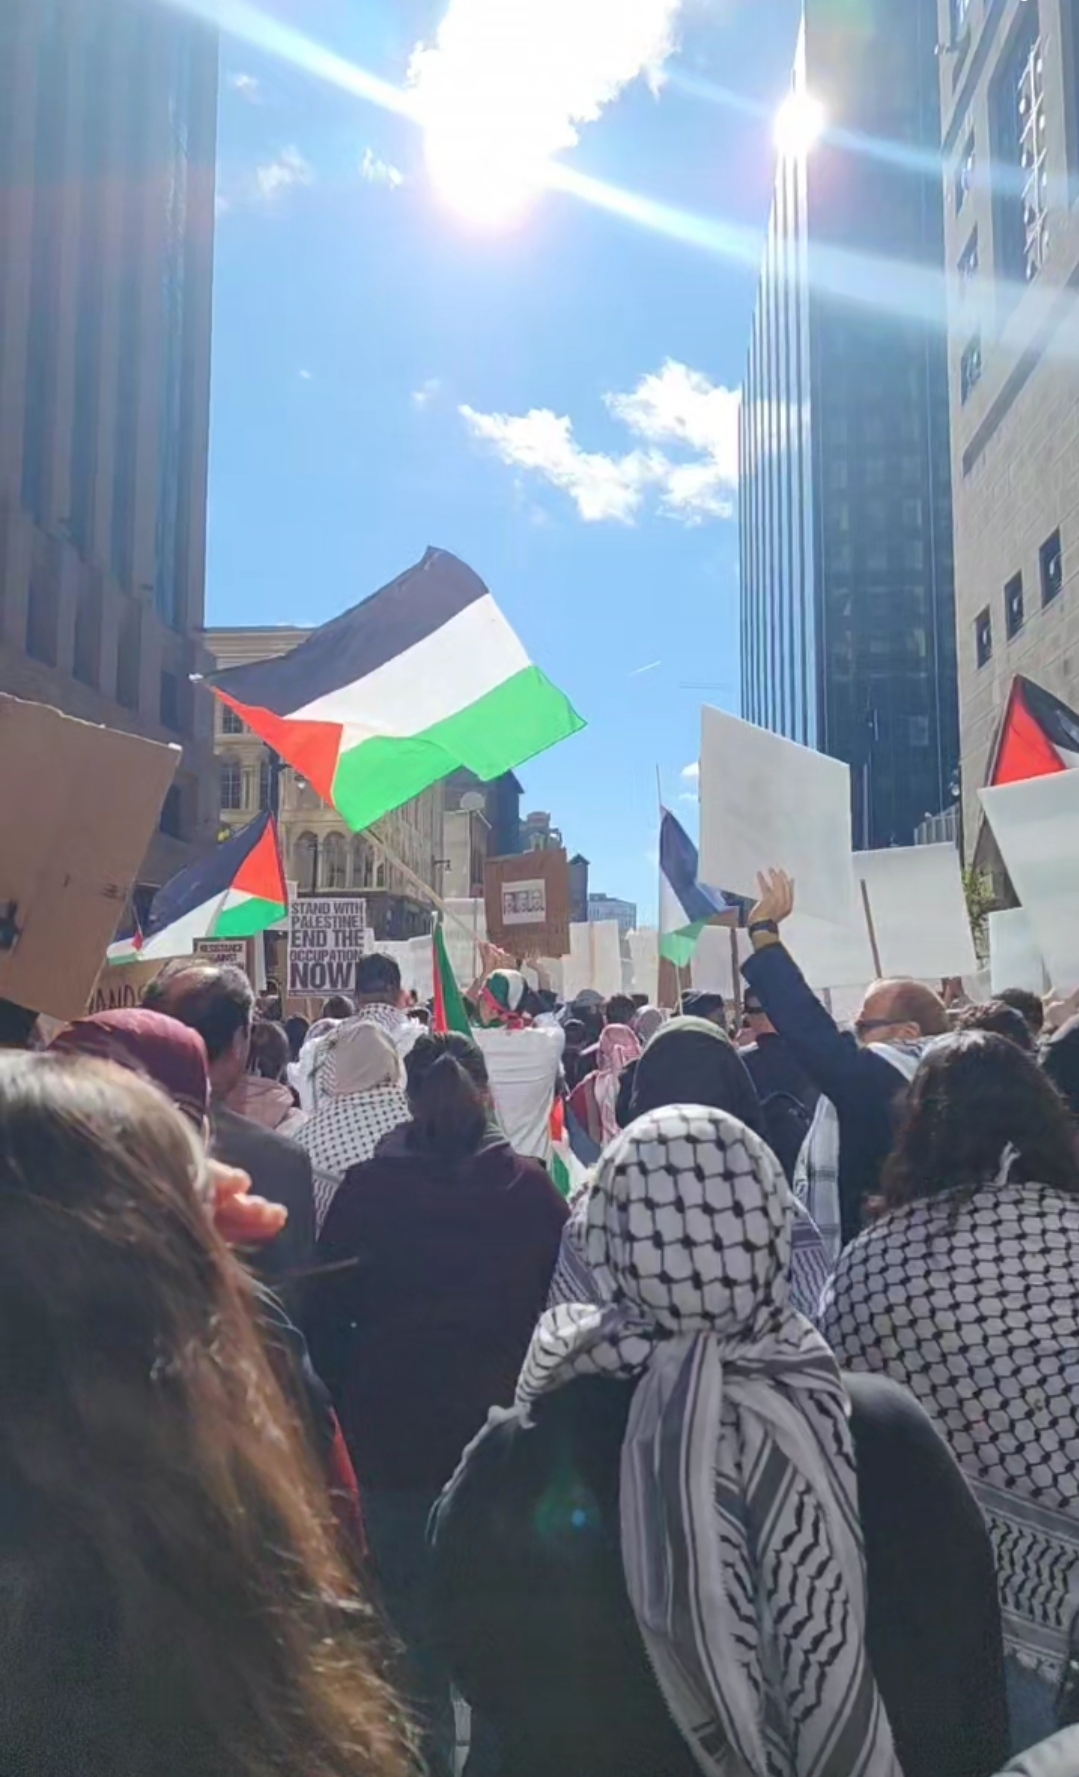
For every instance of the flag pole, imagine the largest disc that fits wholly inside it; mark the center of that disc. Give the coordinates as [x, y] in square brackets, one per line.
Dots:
[676, 993]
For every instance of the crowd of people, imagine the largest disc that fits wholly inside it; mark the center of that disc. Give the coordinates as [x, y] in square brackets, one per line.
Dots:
[340, 1438]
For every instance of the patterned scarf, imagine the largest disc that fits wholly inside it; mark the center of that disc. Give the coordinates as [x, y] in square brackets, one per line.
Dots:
[343, 1132]
[973, 1304]
[816, 1176]
[740, 1535]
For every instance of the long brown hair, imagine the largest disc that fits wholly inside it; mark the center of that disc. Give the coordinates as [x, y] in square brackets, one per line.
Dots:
[172, 1602]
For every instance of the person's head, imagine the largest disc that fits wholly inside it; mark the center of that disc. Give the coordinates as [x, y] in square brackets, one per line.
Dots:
[648, 1020]
[576, 1034]
[755, 1019]
[448, 1094]
[1030, 1007]
[268, 1003]
[378, 981]
[219, 1003]
[731, 1193]
[361, 1056]
[181, 1604]
[296, 1030]
[147, 1043]
[619, 1009]
[900, 1012]
[690, 1061]
[706, 1005]
[503, 998]
[269, 1053]
[338, 1007]
[1060, 1060]
[975, 1096]
[1005, 1020]
[618, 1046]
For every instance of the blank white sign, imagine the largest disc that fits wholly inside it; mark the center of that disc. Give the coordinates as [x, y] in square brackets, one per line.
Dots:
[1036, 826]
[594, 961]
[1014, 957]
[644, 962]
[919, 911]
[768, 803]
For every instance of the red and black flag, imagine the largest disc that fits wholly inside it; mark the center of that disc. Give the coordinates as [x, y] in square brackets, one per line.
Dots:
[1038, 736]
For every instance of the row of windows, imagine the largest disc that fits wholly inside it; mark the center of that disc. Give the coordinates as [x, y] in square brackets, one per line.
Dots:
[332, 864]
[43, 644]
[233, 785]
[1051, 574]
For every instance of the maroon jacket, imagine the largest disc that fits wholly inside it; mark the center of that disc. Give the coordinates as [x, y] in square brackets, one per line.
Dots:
[440, 1274]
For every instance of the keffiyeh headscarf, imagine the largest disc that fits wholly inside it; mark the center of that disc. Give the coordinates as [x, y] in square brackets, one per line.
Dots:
[740, 1534]
[616, 1049]
[502, 997]
[365, 1101]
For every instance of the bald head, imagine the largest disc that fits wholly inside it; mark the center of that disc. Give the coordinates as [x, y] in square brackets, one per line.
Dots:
[901, 1012]
[219, 1003]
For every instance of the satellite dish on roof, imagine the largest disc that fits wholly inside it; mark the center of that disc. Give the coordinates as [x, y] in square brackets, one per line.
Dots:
[473, 802]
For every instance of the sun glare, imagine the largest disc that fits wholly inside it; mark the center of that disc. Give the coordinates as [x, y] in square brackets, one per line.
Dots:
[477, 168]
[800, 123]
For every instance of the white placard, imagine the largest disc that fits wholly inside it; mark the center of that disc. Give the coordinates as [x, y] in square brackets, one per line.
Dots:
[644, 962]
[712, 967]
[1014, 957]
[1036, 827]
[768, 803]
[414, 957]
[919, 912]
[326, 940]
[468, 915]
[594, 961]
[550, 971]
[830, 955]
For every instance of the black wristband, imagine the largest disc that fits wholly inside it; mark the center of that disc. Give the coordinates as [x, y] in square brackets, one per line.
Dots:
[765, 925]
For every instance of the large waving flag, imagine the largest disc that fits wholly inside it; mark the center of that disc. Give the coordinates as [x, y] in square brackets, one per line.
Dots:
[685, 904]
[422, 678]
[236, 892]
[1038, 735]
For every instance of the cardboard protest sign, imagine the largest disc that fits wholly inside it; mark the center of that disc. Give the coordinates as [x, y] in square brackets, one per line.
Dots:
[528, 903]
[327, 939]
[768, 803]
[1036, 827]
[120, 986]
[225, 952]
[594, 961]
[1014, 957]
[915, 899]
[79, 805]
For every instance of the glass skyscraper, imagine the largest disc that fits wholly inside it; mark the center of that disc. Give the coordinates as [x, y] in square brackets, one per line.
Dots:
[847, 605]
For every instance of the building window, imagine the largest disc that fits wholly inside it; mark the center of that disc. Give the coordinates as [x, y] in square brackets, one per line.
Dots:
[307, 863]
[380, 876]
[838, 472]
[1051, 559]
[1013, 606]
[363, 864]
[913, 516]
[170, 702]
[43, 618]
[968, 264]
[875, 472]
[919, 731]
[1020, 145]
[87, 662]
[964, 173]
[334, 866]
[914, 554]
[230, 721]
[232, 784]
[265, 782]
[129, 656]
[171, 818]
[983, 637]
[970, 369]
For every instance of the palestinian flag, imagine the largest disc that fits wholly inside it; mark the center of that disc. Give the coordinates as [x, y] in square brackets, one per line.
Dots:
[450, 1011]
[686, 905]
[236, 892]
[1039, 735]
[423, 678]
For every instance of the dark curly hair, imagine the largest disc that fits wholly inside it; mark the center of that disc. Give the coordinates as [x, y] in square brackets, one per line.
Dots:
[1005, 1020]
[974, 1095]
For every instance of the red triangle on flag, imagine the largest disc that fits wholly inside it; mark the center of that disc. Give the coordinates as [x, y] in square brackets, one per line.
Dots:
[262, 874]
[1024, 750]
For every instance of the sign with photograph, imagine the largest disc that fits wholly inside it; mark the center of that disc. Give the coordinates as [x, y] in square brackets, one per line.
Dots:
[528, 903]
[327, 939]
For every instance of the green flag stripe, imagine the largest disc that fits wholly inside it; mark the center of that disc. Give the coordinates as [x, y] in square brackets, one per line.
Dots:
[523, 716]
[678, 947]
[248, 919]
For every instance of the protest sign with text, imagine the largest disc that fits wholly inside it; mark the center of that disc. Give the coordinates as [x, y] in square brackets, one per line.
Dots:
[327, 939]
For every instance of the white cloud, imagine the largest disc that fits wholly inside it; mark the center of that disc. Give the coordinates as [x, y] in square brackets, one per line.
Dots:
[305, 376]
[427, 392]
[506, 85]
[640, 671]
[289, 170]
[248, 86]
[692, 771]
[380, 172]
[675, 407]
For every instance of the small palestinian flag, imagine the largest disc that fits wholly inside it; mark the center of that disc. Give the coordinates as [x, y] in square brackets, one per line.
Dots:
[236, 892]
[1039, 735]
[387, 699]
[450, 1011]
[686, 905]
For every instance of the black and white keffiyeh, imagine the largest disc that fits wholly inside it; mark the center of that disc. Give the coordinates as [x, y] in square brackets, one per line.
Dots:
[740, 1535]
[972, 1302]
[344, 1132]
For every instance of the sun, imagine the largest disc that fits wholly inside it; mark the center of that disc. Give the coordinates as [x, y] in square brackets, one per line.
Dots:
[478, 168]
[800, 123]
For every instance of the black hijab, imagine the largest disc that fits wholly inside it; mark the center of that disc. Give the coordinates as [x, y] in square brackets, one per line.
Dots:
[691, 1061]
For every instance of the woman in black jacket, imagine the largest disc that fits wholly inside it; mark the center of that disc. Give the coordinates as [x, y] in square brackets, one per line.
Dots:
[656, 1556]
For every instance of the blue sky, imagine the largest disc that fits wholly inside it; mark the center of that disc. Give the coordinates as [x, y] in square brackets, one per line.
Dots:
[552, 398]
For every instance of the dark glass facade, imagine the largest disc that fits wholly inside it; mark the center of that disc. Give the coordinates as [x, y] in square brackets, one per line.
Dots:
[847, 616]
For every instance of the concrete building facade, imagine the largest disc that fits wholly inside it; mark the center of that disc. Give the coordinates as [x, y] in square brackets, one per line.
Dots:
[1010, 98]
[605, 907]
[107, 142]
[847, 607]
[321, 855]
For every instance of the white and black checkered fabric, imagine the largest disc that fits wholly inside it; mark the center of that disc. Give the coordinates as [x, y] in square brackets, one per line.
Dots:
[973, 1303]
[740, 1534]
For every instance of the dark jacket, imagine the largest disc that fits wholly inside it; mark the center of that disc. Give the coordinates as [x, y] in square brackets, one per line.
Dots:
[533, 1616]
[280, 1171]
[864, 1088]
[774, 1067]
[431, 1279]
